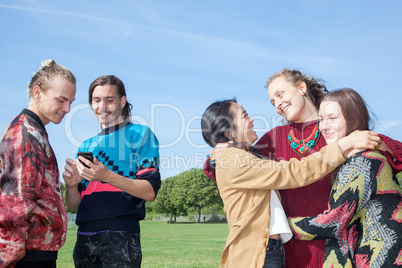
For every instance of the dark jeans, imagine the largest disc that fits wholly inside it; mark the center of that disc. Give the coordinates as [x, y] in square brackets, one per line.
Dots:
[38, 259]
[275, 257]
[109, 249]
[36, 264]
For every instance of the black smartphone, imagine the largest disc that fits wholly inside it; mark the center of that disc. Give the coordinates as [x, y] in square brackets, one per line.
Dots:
[87, 155]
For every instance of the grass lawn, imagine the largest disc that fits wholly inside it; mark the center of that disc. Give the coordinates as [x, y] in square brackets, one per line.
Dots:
[169, 245]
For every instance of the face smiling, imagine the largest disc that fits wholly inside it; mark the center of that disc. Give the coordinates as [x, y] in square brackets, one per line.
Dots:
[289, 101]
[107, 105]
[54, 103]
[243, 132]
[332, 122]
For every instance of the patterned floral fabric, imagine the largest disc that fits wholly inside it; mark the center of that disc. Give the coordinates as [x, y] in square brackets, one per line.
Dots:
[363, 222]
[32, 212]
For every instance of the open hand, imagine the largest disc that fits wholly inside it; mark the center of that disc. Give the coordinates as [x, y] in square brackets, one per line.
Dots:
[357, 141]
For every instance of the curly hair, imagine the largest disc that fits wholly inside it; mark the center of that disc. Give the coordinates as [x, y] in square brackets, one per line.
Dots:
[316, 88]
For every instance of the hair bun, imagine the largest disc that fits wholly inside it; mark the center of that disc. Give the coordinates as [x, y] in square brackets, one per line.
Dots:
[45, 63]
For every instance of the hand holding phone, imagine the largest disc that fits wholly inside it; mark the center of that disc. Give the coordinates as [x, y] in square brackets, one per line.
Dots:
[87, 155]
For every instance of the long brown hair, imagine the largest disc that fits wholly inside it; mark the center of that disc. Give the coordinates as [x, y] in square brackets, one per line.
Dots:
[353, 107]
[121, 90]
[354, 110]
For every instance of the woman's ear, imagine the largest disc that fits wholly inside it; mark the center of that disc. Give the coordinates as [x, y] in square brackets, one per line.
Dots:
[302, 88]
[229, 135]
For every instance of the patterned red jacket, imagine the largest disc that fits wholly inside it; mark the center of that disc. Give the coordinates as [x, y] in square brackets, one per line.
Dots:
[32, 212]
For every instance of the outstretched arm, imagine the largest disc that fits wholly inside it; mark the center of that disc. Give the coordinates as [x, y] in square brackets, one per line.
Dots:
[250, 172]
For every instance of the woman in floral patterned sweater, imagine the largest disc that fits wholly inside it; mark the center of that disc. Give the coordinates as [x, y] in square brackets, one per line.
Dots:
[363, 223]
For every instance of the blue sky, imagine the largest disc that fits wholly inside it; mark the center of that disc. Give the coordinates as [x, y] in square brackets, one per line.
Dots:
[177, 57]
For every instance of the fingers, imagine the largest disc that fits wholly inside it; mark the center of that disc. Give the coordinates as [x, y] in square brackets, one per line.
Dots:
[378, 145]
[222, 145]
[68, 170]
[70, 161]
[66, 175]
[80, 168]
[219, 148]
[70, 179]
[86, 163]
[374, 136]
[87, 169]
[374, 140]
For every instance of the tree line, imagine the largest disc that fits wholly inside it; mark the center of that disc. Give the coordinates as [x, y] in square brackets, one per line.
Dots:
[188, 192]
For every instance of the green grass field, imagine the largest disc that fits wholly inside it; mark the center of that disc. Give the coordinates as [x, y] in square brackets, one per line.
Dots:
[169, 245]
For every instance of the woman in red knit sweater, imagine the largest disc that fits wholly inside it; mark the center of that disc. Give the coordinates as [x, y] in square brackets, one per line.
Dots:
[296, 97]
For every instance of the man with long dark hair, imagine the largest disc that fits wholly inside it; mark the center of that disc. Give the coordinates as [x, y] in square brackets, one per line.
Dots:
[109, 192]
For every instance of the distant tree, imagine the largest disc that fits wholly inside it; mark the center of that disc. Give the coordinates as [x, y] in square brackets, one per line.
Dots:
[214, 209]
[165, 203]
[189, 191]
[193, 190]
[149, 210]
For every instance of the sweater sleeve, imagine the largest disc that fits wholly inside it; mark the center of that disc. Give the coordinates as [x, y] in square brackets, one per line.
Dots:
[147, 156]
[22, 169]
[246, 171]
[209, 170]
[354, 186]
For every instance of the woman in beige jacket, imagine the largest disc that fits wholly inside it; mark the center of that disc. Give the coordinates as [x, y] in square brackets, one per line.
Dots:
[246, 182]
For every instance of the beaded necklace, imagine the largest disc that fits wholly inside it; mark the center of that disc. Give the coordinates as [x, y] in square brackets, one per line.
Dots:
[302, 147]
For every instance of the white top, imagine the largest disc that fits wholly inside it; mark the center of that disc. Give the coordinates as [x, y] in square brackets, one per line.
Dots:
[278, 223]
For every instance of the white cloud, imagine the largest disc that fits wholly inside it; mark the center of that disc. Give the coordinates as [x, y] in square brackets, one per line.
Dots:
[384, 126]
[225, 46]
[61, 13]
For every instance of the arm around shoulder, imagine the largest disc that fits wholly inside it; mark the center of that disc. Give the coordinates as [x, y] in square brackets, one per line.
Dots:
[245, 170]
